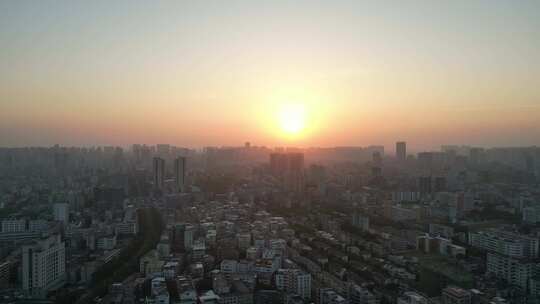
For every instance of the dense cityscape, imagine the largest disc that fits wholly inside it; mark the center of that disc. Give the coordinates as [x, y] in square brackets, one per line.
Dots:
[269, 152]
[252, 224]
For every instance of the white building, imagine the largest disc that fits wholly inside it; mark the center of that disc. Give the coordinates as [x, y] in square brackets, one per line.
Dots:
[61, 212]
[436, 244]
[13, 225]
[531, 215]
[294, 281]
[514, 271]
[43, 266]
[506, 243]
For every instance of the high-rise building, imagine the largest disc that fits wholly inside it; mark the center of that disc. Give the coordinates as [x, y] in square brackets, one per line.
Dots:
[61, 212]
[514, 271]
[181, 237]
[377, 158]
[177, 237]
[360, 221]
[145, 154]
[316, 174]
[43, 266]
[188, 237]
[439, 184]
[278, 164]
[376, 172]
[289, 168]
[159, 173]
[180, 173]
[431, 161]
[136, 150]
[425, 160]
[401, 150]
[295, 175]
[424, 185]
[510, 256]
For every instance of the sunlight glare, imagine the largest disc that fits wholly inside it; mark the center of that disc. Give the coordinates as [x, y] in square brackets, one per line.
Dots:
[292, 118]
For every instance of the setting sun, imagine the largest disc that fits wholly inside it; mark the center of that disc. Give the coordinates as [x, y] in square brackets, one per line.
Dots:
[292, 119]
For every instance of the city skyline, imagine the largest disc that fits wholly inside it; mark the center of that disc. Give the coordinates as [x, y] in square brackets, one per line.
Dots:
[194, 74]
[270, 152]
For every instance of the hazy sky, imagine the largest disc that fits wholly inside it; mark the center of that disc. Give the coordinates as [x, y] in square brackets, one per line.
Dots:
[200, 73]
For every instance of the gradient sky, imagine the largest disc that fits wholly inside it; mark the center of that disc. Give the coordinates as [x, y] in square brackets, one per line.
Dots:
[198, 73]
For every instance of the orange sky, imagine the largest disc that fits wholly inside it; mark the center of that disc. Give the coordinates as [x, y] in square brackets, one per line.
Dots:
[197, 73]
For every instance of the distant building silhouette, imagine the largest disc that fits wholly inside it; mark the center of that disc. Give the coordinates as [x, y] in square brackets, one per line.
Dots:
[159, 173]
[377, 158]
[289, 168]
[401, 150]
[180, 173]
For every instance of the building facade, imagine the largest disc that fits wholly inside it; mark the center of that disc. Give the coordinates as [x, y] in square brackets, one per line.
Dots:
[43, 266]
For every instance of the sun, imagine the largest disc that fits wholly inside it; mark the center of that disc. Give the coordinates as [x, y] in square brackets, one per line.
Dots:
[292, 119]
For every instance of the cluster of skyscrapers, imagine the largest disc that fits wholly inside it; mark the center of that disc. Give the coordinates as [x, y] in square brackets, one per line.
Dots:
[179, 171]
